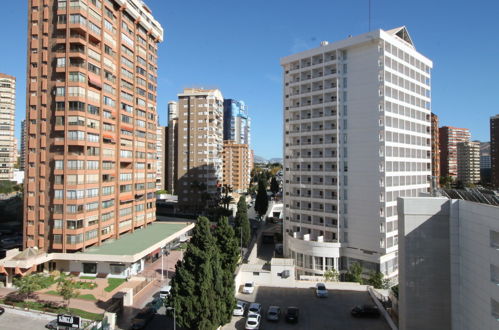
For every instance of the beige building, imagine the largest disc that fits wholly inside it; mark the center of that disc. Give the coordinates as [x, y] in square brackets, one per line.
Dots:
[236, 166]
[468, 162]
[199, 147]
[91, 122]
[161, 154]
[8, 148]
[172, 158]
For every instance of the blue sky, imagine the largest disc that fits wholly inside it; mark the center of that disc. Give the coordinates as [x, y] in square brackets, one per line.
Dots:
[236, 46]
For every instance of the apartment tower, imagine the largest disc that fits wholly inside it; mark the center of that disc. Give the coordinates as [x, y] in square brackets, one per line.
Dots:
[172, 157]
[357, 135]
[91, 122]
[237, 124]
[468, 162]
[494, 149]
[435, 151]
[199, 148]
[236, 166]
[161, 154]
[449, 138]
[7, 125]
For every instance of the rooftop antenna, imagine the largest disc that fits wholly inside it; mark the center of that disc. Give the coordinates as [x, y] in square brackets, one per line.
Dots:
[369, 16]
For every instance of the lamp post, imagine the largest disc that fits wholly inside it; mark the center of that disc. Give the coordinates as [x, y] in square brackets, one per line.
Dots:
[174, 320]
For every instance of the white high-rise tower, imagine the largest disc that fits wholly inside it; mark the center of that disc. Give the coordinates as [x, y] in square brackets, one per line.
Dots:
[357, 136]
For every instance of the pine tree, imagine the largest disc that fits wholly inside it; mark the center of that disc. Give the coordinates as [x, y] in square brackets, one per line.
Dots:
[274, 185]
[262, 200]
[229, 254]
[241, 223]
[198, 285]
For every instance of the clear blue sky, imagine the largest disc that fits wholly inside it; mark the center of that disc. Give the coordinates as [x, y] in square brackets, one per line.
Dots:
[236, 46]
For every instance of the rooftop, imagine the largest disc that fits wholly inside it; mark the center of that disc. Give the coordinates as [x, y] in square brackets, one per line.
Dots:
[138, 241]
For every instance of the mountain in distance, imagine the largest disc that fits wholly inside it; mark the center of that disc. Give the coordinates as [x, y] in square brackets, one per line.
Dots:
[258, 159]
[275, 160]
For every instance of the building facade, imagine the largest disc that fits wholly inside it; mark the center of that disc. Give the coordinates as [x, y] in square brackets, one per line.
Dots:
[449, 264]
[8, 148]
[449, 138]
[237, 123]
[172, 157]
[199, 148]
[435, 151]
[91, 122]
[23, 145]
[357, 136]
[161, 155]
[468, 162]
[494, 149]
[236, 166]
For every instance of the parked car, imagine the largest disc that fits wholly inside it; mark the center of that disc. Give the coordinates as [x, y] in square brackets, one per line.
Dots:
[253, 321]
[156, 303]
[320, 290]
[144, 316]
[240, 309]
[165, 291]
[274, 313]
[52, 325]
[292, 314]
[365, 311]
[249, 287]
[255, 308]
[2, 310]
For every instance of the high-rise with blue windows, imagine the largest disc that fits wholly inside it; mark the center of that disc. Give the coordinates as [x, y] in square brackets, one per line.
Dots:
[236, 122]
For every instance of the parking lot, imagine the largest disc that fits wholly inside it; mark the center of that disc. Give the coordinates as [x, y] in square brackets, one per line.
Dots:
[332, 312]
[17, 320]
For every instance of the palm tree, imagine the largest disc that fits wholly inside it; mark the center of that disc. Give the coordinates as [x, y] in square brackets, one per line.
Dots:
[226, 199]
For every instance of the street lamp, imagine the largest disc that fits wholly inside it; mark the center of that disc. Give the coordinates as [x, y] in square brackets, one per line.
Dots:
[174, 320]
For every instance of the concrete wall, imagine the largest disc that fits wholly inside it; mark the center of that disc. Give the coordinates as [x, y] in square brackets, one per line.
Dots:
[472, 260]
[424, 264]
[104, 267]
[448, 260]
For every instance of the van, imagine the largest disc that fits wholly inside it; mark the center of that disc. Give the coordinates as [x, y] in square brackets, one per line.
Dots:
[165, 291]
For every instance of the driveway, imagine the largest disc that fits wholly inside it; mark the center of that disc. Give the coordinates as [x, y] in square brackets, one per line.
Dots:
[315, 313]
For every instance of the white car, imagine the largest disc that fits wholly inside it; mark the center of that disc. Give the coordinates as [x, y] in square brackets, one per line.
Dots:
[320, 290]
[253, 321]
[240, 308]
[255, 308]
[165, 291]
[248, 287]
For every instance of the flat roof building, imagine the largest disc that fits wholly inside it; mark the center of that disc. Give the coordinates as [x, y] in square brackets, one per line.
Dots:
[494, 149]
[236, 166]
[91, 122]
[468, 162]
[8, 147]
[449, 138]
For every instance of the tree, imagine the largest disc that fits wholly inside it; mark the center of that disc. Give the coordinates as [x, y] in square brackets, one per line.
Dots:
[274, 185]
[354, 273]
[229, 254]
[66, 287]
[226, 198]
[28, 284]
[331, 275]
[241, 223]
[375, 280]
[262, 200]
[197, 288]
[446, 181]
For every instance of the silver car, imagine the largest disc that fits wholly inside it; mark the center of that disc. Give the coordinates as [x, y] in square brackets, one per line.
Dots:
[240, 309]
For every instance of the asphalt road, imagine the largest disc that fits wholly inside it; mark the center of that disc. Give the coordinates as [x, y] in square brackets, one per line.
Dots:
[315, 313]
[20, 320]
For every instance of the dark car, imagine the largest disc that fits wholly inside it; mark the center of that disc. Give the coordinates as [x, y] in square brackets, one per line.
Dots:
[292, 314]
[365, 311]
[144, 316]
[2, 310]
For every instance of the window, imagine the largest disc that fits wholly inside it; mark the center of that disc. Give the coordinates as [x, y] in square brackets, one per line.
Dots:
[90, 268]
